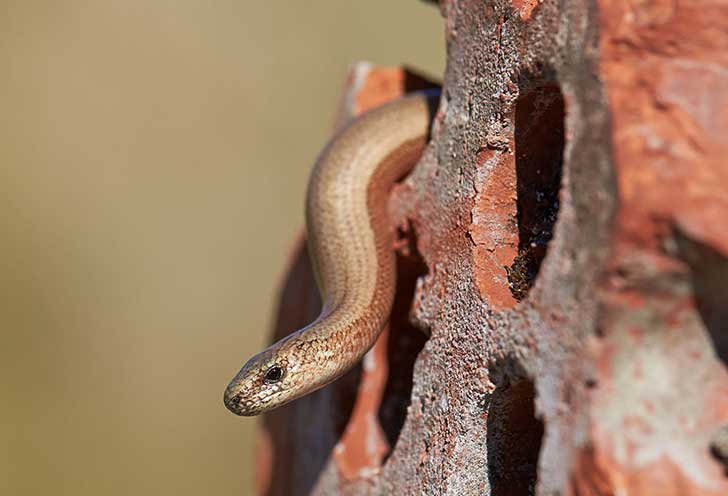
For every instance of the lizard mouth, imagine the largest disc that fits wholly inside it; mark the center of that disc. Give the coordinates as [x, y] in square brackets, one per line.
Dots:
[233, 400]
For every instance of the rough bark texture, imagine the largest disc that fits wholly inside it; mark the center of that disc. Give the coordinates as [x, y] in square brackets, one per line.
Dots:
[561, 324]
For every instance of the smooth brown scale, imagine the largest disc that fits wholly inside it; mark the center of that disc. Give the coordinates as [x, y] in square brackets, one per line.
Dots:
[351, 242]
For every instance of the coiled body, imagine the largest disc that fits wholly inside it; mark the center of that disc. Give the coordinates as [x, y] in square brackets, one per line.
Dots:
[351, 244]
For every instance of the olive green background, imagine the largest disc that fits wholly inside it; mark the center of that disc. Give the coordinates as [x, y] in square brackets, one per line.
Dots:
[153, 161]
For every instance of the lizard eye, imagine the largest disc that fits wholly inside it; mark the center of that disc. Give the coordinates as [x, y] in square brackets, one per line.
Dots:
[273, 374]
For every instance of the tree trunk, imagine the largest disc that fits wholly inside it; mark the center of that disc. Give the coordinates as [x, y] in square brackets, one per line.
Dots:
[561, 320]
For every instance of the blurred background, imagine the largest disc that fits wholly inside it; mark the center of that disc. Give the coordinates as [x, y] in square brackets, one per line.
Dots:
[153, 161]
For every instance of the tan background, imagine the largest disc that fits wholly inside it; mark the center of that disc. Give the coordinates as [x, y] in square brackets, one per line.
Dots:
[153, 158]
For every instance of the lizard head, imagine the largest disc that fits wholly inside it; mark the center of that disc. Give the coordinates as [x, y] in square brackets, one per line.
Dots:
[280, 374]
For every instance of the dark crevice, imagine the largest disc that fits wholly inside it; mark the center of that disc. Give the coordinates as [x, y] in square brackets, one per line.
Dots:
[708, 273]
[405, 342]
[539, 146]
[514, 436]
[719, 447]
[709, 279]
[415, 80]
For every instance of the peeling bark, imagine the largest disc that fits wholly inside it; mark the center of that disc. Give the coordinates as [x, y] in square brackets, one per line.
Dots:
[560, 324]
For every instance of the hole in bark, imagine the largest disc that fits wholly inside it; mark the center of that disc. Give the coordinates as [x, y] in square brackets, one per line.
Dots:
[539, 143]
[709, 278]
[514, 440]
[405, 343]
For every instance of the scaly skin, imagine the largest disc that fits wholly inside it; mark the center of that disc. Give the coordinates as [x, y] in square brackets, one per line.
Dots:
[350, 240]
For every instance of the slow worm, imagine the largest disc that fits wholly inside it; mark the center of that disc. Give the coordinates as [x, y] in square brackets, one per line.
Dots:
[351, 244]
